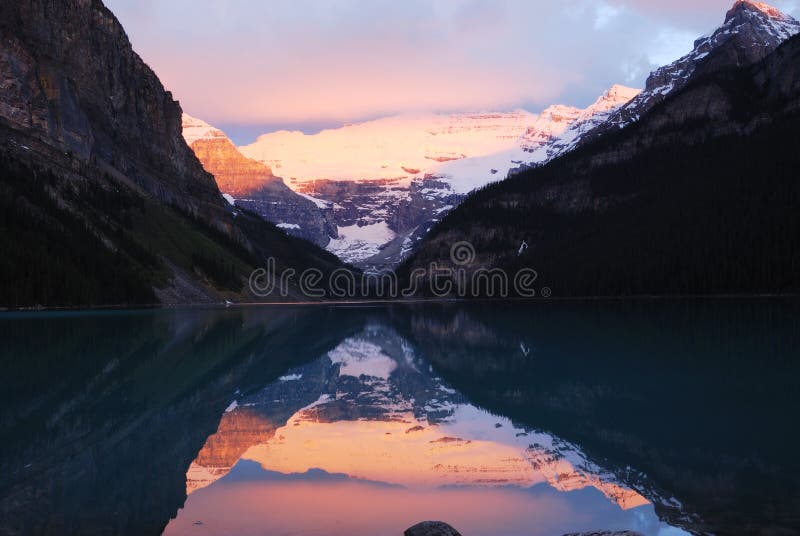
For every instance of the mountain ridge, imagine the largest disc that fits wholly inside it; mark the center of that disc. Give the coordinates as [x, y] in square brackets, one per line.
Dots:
[661, 206]
[253, 186]
[750, 32]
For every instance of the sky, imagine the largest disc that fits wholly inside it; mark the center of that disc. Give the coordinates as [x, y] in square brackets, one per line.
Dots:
[253, 66]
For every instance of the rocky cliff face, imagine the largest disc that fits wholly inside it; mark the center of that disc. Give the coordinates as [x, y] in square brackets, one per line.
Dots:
[378, 221]
[253, 186]
[70, 81]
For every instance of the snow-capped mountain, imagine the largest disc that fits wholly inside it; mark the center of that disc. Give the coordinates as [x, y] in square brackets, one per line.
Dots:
[381, 175]
[549, 125]
[728, 123]
[391, 179]
[196, 130]
[252, 185]
[587, 120]
[557, 130]
[751, 31]
[399, 147]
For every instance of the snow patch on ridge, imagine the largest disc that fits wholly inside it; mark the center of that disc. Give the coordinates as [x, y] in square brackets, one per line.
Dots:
[196, 129]
[360, 242]
[290, 378]
[319, 202]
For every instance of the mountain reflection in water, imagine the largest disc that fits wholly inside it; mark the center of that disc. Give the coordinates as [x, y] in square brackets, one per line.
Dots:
[514, 419]
[374, 413]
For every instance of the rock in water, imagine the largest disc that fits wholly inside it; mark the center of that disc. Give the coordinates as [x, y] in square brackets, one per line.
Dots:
[606, 533]
[431, 528]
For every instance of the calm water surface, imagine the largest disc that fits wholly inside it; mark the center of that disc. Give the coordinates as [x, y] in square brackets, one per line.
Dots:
[664, 418]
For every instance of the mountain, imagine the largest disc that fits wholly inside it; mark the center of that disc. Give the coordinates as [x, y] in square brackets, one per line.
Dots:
[388, 148]
[102, 200]
[554, 131]
[392, 179]
[751, 31]
[379, 174]
[557, 130]
[545, 150]
[253, 186]
[698, 196]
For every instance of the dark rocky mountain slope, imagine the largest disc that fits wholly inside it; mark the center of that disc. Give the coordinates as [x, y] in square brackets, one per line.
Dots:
[103, 201]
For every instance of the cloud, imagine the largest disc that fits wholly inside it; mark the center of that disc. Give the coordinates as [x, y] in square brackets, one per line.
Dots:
[693, 14]
[323, 61]
[606, 13]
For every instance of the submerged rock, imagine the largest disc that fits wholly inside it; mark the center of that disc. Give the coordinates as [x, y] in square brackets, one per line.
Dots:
[606, 533]
[431, 528]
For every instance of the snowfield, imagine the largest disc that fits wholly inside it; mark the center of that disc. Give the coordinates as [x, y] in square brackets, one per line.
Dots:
[356, 243]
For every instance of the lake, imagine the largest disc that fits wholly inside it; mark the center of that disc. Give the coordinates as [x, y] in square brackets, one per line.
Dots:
[661, 417]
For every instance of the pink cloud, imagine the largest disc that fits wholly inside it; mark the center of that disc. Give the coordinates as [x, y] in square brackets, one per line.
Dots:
[250, 62]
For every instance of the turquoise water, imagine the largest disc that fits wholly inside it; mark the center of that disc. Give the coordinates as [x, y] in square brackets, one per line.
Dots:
[660, 417]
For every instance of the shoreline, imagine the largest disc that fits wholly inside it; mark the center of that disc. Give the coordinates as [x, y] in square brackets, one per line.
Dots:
[374, 303]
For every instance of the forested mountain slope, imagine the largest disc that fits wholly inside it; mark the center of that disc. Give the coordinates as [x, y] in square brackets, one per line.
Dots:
[700, 196]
